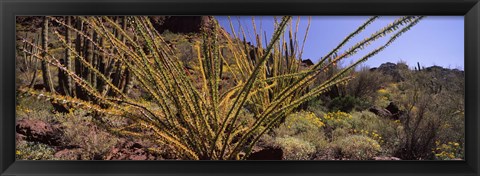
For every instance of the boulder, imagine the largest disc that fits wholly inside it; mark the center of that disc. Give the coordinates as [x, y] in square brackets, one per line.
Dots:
[382, 112]
[307, 63]
[268, 153]
[39, 131]
[129, 150]
[392, 70]
[394, 110]
[180, 24]
[69, 154]
[386, 158]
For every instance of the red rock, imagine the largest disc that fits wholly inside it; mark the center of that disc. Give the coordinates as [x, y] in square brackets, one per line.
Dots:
[39, 131]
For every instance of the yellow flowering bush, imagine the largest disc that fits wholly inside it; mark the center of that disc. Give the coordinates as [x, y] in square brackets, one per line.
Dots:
[337, 119]
[303, 121]
[383, 92]
[447, 151]
[372, 134]
[304, 129]
[303, 125]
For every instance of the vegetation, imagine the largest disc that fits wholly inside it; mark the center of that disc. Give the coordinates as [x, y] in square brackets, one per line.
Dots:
[213, 96]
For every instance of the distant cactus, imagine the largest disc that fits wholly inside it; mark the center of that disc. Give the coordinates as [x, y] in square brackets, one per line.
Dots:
[65, 82]
[47, 78]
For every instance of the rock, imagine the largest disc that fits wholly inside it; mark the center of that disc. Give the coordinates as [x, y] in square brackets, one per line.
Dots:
[382, 112]
[128, 150]
[394, 110]
[392, 70]
[69, 154]
[386, 158]
[180, 24]
[19, 137]
[39, 131]
[307, 63]
[268, 153]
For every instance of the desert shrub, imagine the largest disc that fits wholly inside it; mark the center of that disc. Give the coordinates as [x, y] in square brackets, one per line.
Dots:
[358, 147]
[32, 108]
[33, 104]
[448, 151]
[431, 113]
[79, 130]
[337, 119]
[34, 151]
[302, 125]
[294, 148]
[382, 101]
[383, 130]
[317, 106]
[339, 133]
[366, 83]
[347, 104]
[359, 93]
[301, 122]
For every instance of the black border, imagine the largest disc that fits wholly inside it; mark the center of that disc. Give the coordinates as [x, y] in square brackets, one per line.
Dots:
[10, 8]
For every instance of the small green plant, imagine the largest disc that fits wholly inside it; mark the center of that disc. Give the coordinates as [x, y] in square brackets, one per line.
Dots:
[347, 104]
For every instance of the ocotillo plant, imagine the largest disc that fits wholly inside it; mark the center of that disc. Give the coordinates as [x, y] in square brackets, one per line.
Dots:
[199, 123]
[283, 69]
[286, 91]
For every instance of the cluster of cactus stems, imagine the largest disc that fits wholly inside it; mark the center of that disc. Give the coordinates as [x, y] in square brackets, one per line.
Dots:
[201, 123]
[80, 59]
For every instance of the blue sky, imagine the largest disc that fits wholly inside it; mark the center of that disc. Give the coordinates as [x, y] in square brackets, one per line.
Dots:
[436, 40]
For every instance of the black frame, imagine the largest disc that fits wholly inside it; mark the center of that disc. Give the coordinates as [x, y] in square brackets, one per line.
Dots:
[11, 8]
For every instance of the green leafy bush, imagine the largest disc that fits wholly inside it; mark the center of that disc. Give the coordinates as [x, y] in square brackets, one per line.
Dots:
[346, 104]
